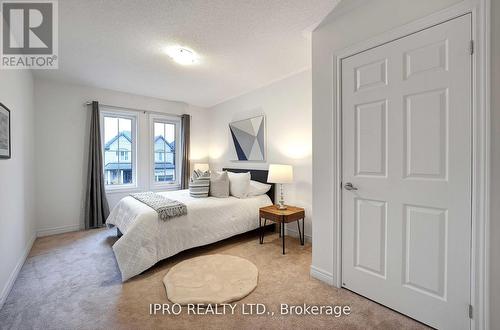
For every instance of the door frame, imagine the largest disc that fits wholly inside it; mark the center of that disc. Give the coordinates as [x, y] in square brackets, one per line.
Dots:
[479, 10]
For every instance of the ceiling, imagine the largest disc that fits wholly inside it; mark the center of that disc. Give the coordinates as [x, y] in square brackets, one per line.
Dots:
[243, 44]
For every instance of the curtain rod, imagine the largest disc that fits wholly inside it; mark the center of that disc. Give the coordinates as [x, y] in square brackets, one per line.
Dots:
[134, 109]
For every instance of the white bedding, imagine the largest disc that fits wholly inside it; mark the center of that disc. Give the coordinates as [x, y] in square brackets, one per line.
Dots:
[147, 239]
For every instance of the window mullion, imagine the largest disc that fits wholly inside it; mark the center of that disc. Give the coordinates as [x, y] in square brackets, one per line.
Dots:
[119, 160]
[165, 152]
[174, 155]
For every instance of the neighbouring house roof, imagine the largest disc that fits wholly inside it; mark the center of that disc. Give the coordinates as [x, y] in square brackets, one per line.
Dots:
[164, 166]
[170, 144]
[118, 166]
[125, 134]
[128, 166]
[128, 136]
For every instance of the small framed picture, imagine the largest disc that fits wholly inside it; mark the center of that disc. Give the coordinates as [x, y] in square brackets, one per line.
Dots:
[5, 143]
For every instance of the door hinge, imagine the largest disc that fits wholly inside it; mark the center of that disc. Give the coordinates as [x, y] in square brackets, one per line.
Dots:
[470, 311]
[471, 47]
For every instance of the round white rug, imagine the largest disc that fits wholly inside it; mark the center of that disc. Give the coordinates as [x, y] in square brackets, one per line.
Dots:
[212, 279]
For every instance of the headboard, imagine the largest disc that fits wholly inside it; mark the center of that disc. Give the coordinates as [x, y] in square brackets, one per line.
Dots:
[256, 175]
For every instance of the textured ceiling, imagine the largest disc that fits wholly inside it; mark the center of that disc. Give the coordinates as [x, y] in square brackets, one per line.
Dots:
[243, 44]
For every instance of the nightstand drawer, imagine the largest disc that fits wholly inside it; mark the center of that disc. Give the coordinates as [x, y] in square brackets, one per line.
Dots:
[271, 216]
[294, 216]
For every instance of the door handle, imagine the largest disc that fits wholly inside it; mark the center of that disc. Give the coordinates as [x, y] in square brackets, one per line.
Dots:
[349, 186]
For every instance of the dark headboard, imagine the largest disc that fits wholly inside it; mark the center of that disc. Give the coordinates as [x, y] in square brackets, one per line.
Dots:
[256, 175]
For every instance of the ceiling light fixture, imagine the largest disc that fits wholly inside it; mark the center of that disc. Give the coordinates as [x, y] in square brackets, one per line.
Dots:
[182, 55]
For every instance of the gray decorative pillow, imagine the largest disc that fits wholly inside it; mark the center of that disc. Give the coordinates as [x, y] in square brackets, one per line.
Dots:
[219, 184]
[199, 184]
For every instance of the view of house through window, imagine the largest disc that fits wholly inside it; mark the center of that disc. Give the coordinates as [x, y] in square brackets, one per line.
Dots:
[119, 147]
[118, 166]
[164, 152]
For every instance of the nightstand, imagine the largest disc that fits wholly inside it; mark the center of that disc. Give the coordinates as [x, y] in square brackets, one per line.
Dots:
[291, 214]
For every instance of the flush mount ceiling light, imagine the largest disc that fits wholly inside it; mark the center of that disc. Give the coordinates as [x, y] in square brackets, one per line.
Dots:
[182, 55]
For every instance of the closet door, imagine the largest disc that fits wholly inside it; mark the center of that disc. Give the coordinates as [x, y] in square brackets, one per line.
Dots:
[406, 165]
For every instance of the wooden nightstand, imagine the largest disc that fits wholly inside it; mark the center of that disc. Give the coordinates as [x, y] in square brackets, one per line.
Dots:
[291, 214]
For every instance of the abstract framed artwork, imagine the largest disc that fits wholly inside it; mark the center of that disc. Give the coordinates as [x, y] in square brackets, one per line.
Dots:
[5, 143]
[249, 138]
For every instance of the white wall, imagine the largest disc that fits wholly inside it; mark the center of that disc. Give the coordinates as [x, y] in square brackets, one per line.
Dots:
[287, 107]
[495, 179]
[17, 228]
[349, 23]
[62, 126]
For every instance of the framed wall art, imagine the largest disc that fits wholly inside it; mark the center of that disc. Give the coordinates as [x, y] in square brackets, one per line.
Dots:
[5, 143]
[249, 138]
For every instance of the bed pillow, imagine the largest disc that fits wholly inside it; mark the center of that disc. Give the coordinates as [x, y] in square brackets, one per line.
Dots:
[258, 188]
[219, 184]
[199, 184]
[239, 184]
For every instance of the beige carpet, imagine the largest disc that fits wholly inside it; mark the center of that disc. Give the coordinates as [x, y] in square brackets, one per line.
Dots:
[71, 281]
[212, 279]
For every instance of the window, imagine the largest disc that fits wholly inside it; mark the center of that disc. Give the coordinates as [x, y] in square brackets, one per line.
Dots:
[118, 134]
[122, 141]
[124, 156]
[166, 136]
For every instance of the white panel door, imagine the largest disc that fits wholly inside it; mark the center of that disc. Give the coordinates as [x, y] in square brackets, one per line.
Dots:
[406, 148]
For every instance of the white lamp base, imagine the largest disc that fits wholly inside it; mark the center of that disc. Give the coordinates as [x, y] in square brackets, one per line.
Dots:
[281, 207]
[281, 203]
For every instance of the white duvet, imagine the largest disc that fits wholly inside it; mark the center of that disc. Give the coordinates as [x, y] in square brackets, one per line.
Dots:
[147, 239]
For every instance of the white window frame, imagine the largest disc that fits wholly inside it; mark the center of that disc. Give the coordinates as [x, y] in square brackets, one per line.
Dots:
[165, 119]
[133, 117]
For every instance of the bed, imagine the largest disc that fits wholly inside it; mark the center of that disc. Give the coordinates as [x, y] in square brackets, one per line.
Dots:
[146, 239]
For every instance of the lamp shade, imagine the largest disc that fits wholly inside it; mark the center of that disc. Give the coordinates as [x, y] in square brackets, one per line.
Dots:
[280, 174]
[201, 167]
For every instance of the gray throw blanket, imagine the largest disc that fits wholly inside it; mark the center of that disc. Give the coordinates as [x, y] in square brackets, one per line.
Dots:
[165, 207]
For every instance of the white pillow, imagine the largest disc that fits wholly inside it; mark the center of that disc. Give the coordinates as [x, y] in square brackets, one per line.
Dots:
[257, 188]
[219, 184]
[239, 184]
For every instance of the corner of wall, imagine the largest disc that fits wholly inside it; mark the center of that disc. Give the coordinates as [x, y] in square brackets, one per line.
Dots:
[15, 272]
[322, 275]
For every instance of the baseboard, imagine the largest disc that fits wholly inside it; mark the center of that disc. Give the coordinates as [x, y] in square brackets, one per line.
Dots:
[57, 230]
[295, 233]
[322, 275]
[15, 271]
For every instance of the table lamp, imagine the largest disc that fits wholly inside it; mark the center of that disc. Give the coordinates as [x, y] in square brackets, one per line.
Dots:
[280, 174]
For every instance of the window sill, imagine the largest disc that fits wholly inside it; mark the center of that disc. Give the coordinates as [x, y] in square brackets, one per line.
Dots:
[122, 190]
[129, 190]
[167, 187]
